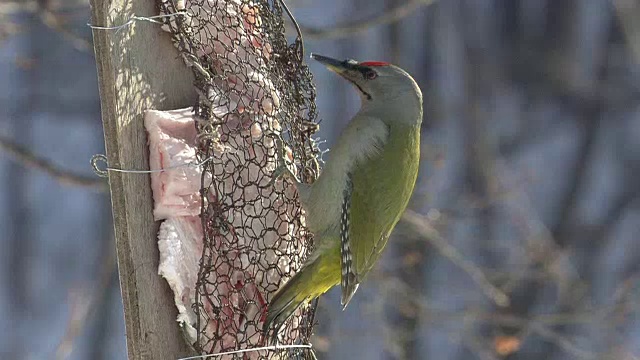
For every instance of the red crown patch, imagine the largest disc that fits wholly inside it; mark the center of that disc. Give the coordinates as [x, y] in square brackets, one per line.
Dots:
[374, 63]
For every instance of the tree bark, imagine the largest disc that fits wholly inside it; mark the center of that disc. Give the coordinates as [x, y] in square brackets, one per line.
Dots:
[138, 69]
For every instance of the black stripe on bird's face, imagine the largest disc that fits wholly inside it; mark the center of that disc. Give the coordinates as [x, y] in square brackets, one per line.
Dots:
[354, 73]
[351, 70]
[364, 93]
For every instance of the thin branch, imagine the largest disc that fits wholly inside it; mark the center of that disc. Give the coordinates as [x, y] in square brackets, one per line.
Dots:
[48, 13]
[387, 17]
[53, 21]
[562, 341]
[25, 157]
[19, 7]
[540, 244]
[421, 225]
[594, 316]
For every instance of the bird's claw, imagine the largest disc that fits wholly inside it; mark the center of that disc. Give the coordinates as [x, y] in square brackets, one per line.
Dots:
[281, 168]
[279, 172]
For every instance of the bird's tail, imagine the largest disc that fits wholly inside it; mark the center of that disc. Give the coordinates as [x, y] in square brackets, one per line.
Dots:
[313, 280]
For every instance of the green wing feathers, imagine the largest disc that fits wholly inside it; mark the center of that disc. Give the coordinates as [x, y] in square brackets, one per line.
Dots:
[382, 187]
[377, 194]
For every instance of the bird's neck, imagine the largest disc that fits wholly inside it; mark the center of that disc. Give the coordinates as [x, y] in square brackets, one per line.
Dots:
[405, 109]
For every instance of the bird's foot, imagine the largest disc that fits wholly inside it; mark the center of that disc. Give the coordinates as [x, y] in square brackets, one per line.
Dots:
[282, 166]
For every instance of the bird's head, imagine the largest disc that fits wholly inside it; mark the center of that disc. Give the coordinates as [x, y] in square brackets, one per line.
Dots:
[379, 83]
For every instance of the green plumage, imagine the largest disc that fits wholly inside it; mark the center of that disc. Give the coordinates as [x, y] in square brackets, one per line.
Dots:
[381, 191]
[382, 187]
[313, 280]
[362, 191]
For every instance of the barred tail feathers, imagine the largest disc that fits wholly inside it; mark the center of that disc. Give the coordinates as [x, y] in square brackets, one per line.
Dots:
[313, 280]
[349, 281]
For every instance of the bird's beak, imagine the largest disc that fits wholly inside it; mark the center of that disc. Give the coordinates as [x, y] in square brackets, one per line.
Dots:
[342, 68]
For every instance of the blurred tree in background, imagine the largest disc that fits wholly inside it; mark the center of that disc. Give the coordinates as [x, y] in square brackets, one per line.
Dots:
[522, 238]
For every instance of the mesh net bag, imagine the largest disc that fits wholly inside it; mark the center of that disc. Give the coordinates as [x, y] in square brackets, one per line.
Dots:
[256, 105]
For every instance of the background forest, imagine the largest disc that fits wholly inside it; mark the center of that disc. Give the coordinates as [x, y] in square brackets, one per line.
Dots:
[522, 237]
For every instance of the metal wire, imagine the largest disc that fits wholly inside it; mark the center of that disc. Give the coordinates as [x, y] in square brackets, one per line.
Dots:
[254, 90]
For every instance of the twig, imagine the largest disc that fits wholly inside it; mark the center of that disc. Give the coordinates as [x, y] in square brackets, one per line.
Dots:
[52, 20]
[49, 17]
[562, 341]
[421, 226]
[19, 7]
[540, 244]
[595, 316]
[387, 17]
[25, 157]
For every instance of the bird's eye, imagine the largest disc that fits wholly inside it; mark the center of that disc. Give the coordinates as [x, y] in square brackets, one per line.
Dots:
[370, 74]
